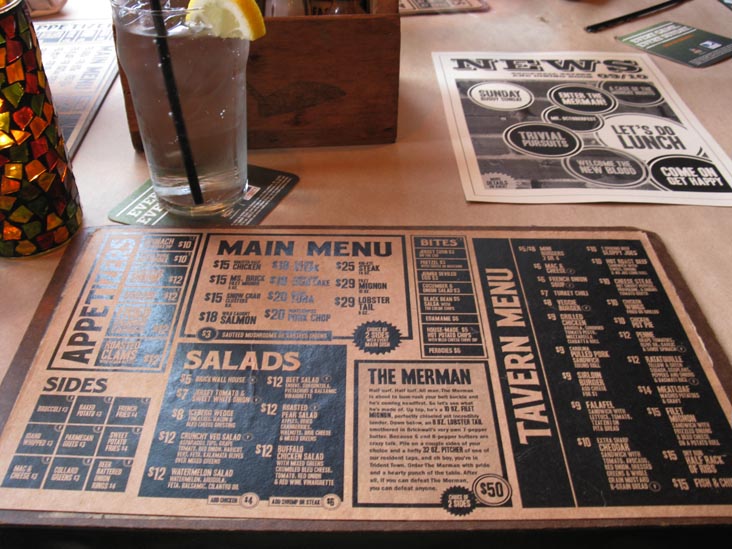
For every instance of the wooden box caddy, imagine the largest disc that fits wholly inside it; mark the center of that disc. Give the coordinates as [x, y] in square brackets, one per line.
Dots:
[323, 80]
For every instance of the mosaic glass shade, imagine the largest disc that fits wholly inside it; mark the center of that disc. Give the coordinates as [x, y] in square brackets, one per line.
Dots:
[39, 201]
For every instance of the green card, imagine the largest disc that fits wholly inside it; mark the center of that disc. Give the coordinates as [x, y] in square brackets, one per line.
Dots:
[266, 189]
[681, 43]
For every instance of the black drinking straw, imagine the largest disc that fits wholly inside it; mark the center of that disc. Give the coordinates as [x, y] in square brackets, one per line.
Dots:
[174, 100]
[627, 18]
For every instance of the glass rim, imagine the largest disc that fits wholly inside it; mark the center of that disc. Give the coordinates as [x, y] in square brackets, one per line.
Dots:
[138, 7]
[7, 5]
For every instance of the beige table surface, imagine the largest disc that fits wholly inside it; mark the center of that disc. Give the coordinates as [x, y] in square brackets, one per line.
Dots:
[416, 181]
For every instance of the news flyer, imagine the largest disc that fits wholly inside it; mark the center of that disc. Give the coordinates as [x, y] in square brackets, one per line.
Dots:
[576, 127]
[385, 374]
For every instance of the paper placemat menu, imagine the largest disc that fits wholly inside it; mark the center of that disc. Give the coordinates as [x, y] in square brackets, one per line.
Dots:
[378, 374]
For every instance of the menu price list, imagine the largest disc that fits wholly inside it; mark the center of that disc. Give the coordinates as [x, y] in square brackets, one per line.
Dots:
[78, 443]
[600, 373]
[447, 298]
[291, 287]
[266, 421]
[126, 313]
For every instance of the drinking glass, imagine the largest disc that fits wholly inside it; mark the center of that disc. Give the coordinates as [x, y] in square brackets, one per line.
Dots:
[188, 88]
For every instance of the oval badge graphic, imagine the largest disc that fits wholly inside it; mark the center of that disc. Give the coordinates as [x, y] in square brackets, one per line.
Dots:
[584, 99]
[633, 93]
[544, 140]
[688, 174]
[575, 121]
[607, 168]
[500, 96]
[492, 490]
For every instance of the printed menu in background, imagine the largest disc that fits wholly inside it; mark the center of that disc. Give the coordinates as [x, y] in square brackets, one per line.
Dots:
[81, 65]
[421, 7]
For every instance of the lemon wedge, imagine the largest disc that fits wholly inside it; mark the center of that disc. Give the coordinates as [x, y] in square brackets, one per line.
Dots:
[228, 18]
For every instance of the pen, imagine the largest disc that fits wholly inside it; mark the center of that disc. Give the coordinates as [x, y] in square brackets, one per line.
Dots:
[632, 16]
